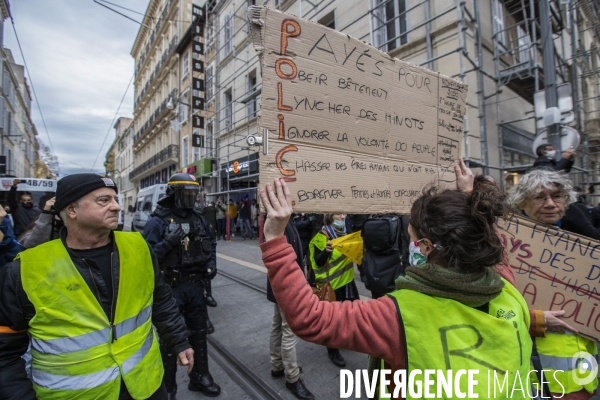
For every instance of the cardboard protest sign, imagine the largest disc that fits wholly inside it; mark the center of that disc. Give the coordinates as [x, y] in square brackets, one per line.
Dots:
[556, 270]
[30, 185]
[350, 128]
[351, 246]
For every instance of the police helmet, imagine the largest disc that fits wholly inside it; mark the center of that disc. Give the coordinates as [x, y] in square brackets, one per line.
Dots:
[182, 189]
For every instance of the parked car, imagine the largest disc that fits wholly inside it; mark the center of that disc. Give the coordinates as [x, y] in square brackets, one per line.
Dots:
[147, 198]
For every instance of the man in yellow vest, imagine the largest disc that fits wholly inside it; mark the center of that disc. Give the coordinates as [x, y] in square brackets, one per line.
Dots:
[89, 301]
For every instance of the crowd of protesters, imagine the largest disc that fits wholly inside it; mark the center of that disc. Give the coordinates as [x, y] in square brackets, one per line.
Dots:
[103, 342]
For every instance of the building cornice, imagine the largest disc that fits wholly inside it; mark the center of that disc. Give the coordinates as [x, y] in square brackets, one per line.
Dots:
[143, 31]
[5, 9]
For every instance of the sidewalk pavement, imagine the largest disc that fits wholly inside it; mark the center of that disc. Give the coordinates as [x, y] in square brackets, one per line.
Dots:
[243, 319]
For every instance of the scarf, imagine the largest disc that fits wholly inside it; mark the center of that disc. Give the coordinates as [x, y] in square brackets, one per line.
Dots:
[472, 289]
[332, 232]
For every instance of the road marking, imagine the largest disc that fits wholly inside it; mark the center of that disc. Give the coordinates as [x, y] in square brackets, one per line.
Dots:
[242, 262]
[259, 267]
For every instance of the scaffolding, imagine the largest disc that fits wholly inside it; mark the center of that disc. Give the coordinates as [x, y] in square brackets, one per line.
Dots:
[501, 64]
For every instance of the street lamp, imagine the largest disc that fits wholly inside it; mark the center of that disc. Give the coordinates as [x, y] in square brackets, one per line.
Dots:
[171, 106]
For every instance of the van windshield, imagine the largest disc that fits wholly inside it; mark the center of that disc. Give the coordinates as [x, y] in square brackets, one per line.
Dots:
[147, 204]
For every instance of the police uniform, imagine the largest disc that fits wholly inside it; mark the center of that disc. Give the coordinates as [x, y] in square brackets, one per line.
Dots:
[186, 250]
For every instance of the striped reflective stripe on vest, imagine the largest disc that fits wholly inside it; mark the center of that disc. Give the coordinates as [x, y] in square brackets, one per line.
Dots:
[78, 382]
[337, 273]
[333, 264]
[563, 363]
[91, 339]
[139, 355]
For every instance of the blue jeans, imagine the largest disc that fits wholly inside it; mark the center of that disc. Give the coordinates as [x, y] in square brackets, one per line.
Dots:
[245, 227]
[221, 232]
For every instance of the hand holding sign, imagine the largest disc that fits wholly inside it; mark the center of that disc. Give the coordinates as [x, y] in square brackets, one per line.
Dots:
[278, 204]
[555, 324]
[464, 176]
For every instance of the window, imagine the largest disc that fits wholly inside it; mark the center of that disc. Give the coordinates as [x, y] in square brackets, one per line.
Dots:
[498, 21]
[390, 22]
[185, 150]
[210, 30]
[228, 34]
[250, 88]
[185, 65]
[209, 81]
[328, 20]
[524, 44]
[147, 202]
[184, 110]
[277, 3]
[228, 101]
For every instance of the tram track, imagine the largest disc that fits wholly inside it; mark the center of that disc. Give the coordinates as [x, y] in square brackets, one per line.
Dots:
[254, 385]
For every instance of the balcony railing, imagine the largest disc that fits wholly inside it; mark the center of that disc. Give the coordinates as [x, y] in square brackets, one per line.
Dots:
[169, 152]
[154, 116]
[154, 34]
[165, 56]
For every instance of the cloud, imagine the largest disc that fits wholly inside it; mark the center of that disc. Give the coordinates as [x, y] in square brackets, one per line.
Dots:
[78, 56]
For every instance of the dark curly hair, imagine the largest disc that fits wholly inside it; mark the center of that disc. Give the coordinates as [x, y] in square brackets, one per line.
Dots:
[461, 225]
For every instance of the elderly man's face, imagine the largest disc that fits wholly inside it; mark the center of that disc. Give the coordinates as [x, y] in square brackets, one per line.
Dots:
[546, 205]
[98, 210]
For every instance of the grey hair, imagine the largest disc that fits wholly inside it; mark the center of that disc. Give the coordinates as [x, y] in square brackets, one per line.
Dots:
[532, 182]
[63, 216]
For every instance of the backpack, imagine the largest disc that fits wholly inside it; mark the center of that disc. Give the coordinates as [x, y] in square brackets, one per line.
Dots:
[382, 261]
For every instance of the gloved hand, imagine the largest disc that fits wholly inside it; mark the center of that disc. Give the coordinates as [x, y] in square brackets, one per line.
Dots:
[211, 272]
[176, 236]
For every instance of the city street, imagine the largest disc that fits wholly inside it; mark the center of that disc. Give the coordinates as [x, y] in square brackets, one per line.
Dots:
[242, 323]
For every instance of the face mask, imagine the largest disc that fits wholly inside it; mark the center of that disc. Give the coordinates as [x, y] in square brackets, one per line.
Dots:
[551, 153]
[339, 225]
[415, 256]
[27, 204]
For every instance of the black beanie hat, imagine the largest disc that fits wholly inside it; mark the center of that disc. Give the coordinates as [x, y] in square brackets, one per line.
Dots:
[73, 187]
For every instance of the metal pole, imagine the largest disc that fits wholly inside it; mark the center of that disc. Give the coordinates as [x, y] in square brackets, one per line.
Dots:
[549, 70]
[481, 91]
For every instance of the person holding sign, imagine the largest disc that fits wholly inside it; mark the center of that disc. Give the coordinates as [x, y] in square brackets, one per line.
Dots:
[454, 300]
[545, 196]
[23, 211]
[331, 265]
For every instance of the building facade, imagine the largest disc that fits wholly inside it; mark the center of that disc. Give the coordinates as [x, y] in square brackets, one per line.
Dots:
[18, 136]
[155, 143]
[495, 46]
[123, 160]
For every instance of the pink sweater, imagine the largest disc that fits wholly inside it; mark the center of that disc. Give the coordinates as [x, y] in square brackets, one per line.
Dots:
[370, 327]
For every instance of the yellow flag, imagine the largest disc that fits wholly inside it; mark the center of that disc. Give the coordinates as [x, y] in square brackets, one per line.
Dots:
[351, 246]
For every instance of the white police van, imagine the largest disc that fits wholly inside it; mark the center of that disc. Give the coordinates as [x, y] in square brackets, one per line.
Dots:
[147, 199]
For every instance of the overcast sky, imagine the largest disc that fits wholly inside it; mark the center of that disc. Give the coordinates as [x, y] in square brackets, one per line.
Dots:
[78, 57]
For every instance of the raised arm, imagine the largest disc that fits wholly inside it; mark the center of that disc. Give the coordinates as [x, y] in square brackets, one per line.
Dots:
[370, 327]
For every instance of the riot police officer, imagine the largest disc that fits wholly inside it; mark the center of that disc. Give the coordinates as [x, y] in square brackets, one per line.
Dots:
[186, 250]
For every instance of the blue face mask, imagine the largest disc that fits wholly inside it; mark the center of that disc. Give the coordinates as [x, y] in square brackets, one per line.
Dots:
[339, 225]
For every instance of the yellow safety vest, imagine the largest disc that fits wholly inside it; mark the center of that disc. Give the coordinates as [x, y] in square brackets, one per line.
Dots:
[76, 353]
[444, 334]
[341, 268]
[557, 351]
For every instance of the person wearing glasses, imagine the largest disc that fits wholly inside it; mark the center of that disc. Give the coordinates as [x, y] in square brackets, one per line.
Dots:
[547, 197]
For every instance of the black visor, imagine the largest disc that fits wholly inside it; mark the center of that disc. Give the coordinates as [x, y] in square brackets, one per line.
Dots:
[185, 196]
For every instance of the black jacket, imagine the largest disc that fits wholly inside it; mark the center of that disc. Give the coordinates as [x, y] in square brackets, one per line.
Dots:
[16, 310]
[577, 220]
[22, 216]
[291, 234]
[563, 164]
[156, 227]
